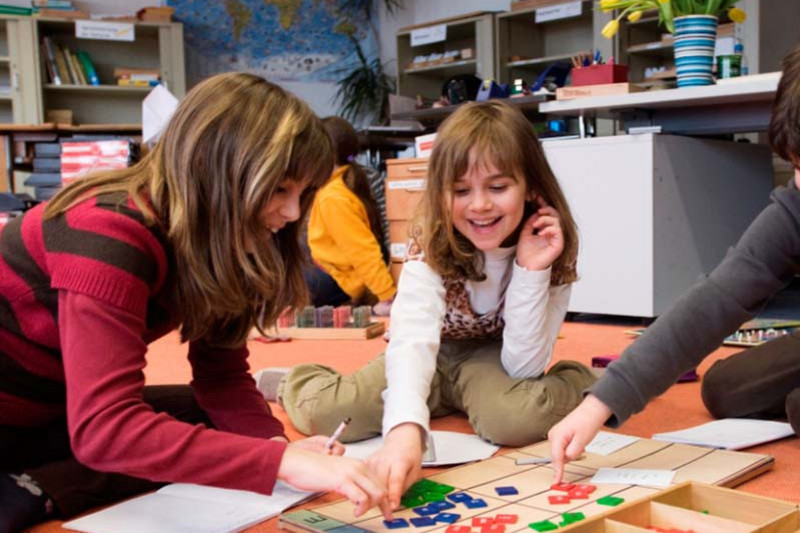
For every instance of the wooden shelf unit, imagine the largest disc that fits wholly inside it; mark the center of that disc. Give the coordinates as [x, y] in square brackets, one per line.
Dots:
[156, 46]
[540, 45]
[474, 31]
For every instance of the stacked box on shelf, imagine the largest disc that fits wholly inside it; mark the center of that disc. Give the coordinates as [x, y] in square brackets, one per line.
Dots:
[405, 182]
[46, 177]
[79, 156]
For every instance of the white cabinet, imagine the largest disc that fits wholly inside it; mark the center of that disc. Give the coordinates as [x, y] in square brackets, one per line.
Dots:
[655, 212]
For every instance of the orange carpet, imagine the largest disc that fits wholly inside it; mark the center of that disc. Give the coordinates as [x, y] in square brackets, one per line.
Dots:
[679, 408]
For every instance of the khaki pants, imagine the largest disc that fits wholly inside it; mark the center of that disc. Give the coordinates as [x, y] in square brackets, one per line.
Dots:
[469, 378]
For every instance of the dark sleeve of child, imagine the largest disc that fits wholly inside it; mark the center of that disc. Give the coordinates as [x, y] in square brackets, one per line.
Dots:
[761, 263]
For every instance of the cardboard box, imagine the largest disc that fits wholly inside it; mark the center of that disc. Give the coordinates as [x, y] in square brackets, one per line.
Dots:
[599, 74]
[424, 145]
[606, 89]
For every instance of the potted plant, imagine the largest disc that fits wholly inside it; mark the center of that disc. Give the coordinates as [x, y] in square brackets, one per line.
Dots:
[364, 90]
[693, 24]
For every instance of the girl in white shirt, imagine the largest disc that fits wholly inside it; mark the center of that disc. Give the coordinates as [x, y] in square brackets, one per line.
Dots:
[480, 302]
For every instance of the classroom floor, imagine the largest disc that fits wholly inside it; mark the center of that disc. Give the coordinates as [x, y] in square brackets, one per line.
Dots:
[679, 407]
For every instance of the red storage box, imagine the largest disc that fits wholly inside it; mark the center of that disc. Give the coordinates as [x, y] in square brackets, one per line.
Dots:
[599, 74]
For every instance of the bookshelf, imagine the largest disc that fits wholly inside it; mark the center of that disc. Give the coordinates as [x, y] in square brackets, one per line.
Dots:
[525, 48]
[17, 78]
[472, 33]
[157, 46]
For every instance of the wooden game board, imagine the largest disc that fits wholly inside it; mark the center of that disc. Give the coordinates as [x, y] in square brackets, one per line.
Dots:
[747, 335]
[346, 333]
[351, 332]
[531, 504]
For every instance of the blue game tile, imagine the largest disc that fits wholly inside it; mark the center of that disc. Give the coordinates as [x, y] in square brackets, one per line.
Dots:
[459, 497]
[447, 518]
[426, 510]
[476, 503]
[397, 523]
[440, 505]
[423, 521]
[506, 491]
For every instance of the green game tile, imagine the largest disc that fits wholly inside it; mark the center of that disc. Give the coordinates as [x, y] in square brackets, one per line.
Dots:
[544, 525]
[571, 518]
[611, 501]
[432, 496]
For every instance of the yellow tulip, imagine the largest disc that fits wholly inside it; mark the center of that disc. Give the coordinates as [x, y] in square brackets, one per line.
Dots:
[636, 15]
[610, 29]
[737, 15]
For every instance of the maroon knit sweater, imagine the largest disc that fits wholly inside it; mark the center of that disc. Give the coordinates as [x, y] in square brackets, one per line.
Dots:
[81, 296]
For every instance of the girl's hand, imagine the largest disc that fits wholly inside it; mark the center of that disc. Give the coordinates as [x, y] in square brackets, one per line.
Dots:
[307, 470]
[569, 437]
[398, 463]
[317, 444]
[383, 308]
[541, 240]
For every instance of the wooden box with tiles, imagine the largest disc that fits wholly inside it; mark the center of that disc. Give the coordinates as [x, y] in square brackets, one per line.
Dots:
[405, 182]
[698, 508]
[513, 493]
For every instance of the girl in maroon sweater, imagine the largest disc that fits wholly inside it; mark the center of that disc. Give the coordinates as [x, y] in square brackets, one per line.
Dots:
[202, 234]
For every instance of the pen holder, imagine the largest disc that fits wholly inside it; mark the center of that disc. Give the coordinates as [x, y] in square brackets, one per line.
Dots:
[599, 74]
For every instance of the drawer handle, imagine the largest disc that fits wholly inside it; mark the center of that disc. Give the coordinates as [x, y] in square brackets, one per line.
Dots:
[417, 169]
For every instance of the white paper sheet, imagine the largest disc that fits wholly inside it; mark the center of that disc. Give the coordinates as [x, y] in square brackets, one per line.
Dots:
[729, 433]
[634, 476]
[186, 508]
[157, 108]
[451, 448]
[606, 443]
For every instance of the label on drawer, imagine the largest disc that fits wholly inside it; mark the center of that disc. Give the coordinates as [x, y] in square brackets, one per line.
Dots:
[428, 35]
[560, 11]
[398, 249]
[406, 184]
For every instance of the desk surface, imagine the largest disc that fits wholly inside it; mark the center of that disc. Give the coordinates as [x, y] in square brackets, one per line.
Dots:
[759, 87]
[736, 105]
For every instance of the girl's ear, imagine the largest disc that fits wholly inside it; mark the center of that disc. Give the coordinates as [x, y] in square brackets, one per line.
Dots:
[531, 196]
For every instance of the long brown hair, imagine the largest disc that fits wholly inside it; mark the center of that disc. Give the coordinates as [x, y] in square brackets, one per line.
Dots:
[232, 141]
[784, 126]
[345, 145]
[501, 134]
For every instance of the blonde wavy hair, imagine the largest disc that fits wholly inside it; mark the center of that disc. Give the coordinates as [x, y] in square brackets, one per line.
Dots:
[500, 134]
[230, 144]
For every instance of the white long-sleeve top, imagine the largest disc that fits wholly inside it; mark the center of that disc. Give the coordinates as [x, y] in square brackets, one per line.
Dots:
[533, 312]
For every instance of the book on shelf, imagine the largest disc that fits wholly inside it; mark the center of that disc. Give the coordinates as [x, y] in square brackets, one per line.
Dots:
[52, 4]
[50, 61]
[13, 9]
[86, 62]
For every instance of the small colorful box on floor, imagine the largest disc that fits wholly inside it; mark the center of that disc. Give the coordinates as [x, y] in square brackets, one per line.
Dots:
[599, 74]
[602, 361]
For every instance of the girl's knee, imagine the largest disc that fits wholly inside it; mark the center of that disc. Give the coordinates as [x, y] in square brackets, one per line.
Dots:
[505, 421]
[715, 392]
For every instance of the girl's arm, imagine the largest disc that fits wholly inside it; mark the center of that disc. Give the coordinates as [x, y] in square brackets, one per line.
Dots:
[533, 314]
[354, 237]
[416, 326]
[226, 391]
[112, 429]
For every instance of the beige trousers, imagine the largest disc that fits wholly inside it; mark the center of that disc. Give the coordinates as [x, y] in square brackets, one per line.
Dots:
[469, 378]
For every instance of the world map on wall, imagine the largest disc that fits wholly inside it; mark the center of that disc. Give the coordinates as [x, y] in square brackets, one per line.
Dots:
[289, 40]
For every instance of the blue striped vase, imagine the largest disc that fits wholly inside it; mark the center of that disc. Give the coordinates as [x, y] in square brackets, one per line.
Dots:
[694, 40]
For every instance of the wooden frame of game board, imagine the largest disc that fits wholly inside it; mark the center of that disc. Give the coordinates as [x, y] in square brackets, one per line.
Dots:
[347, 333]
[531, 504]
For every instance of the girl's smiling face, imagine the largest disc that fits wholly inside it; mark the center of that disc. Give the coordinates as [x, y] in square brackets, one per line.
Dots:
[487, 204]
